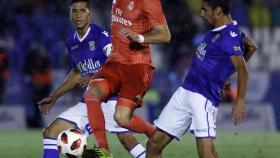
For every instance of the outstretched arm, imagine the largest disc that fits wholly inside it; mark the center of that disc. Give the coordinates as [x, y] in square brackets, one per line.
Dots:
[69, 83]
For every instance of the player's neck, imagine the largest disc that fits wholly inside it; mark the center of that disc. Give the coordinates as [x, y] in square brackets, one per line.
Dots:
[81, 32]
[224, 20]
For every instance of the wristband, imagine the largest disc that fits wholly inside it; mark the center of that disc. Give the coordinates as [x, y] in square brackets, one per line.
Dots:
[141, 38]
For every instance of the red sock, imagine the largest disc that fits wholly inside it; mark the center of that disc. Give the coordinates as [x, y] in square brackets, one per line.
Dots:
[138, 125]
[96, 119]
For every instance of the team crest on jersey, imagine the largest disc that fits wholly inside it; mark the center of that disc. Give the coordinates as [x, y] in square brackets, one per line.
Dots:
[131, 5]
[201, 52]
[91, 45]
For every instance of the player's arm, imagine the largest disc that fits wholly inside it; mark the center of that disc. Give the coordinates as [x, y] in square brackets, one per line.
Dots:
[238, 112]
[69, 83]
[250, 48]
[158, 34]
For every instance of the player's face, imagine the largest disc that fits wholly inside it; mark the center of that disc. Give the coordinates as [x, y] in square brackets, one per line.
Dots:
[80, 15]
[207, 13]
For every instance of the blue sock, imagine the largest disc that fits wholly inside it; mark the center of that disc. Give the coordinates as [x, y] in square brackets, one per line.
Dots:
[50, 148]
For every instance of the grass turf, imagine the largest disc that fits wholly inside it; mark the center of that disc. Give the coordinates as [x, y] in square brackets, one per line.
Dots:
[28, 144]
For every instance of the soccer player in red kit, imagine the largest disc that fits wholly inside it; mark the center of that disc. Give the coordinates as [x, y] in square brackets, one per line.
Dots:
[129, 68]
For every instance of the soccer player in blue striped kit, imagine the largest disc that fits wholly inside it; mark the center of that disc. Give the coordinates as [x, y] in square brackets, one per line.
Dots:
[194, 105]
[88, 48]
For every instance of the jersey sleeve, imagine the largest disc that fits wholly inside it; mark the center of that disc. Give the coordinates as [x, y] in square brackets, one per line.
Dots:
[105, 42]
[73, 64]
[153, 10]
[232, 43]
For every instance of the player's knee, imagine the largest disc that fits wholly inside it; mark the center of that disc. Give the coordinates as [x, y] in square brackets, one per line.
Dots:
[154, 146]
[50, 133]
[121, 120]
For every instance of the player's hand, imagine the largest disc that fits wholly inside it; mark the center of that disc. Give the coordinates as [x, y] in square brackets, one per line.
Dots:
[238, 112]
[46, 104]
[84, 81]
[130, 35]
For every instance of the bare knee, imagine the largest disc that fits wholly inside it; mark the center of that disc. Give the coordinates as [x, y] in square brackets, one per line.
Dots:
[157, 143]
[154, 146]
[122, 120]
[49, 132]
[55, 128]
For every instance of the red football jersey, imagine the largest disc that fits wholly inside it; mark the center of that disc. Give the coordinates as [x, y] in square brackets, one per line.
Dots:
[139, 16]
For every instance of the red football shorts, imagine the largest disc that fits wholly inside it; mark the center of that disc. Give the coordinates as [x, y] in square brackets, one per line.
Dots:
[129, 82]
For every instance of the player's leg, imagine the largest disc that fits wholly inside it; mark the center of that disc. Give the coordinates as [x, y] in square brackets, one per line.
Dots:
[136, 80]
[106, 83]
[216, 155]
[74, 117]
[125, 118]
[131, 144]
[157, 143]
[205, 148]
[97, 89]
[50, 135]
[173, 122]
[204, 128]
[125, 136]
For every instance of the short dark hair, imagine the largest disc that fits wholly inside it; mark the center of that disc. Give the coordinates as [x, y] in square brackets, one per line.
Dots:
[89, 5]
[224, 4]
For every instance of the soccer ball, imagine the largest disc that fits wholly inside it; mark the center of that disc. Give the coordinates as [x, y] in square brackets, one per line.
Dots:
[71, 142]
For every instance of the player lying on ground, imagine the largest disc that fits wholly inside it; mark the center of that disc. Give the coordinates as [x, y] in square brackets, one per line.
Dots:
[194, 105]
[88, 48]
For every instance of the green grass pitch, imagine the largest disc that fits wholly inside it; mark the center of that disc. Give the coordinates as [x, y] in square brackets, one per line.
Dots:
[28, 144]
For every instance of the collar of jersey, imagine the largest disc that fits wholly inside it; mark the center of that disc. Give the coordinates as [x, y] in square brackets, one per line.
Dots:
[81, 39]
[224, 26]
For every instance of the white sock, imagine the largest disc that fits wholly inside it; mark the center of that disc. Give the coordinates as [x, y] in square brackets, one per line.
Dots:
[50, 143]
[138, 151]
[50, 148]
